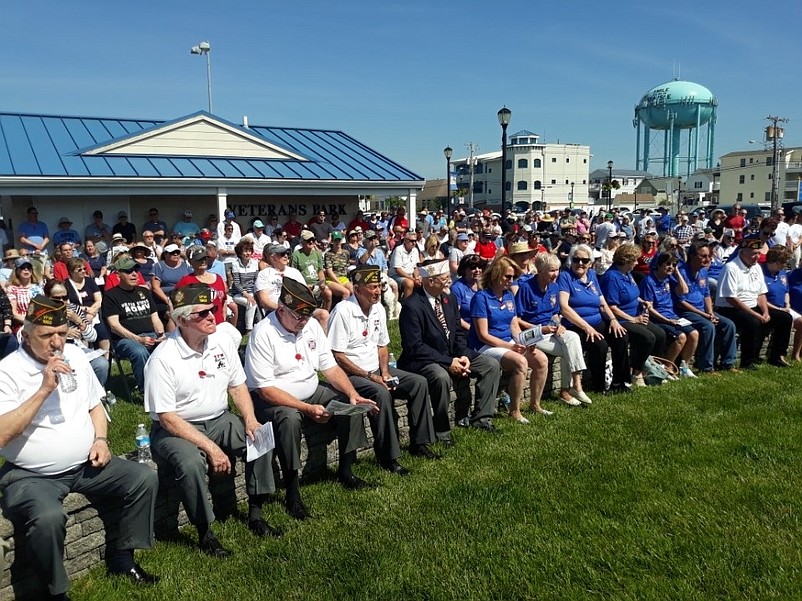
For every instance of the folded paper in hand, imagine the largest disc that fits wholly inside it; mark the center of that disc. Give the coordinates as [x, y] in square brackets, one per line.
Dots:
[531, 336]
[262, 443]
[338, 408]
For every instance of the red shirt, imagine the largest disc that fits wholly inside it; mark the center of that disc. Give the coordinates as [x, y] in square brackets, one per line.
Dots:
[61, 273]
[293, 229]
[218, 297]
[736, 223]
[645, 260]
[486, 250]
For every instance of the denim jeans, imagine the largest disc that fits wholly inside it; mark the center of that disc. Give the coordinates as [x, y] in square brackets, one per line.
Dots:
[137, 354]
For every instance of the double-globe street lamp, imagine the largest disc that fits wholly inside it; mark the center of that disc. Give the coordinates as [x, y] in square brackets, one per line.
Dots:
[609, 185]
[504, 116]
[447, 153]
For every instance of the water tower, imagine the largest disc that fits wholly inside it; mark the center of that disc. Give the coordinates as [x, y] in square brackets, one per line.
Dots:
[671, 108]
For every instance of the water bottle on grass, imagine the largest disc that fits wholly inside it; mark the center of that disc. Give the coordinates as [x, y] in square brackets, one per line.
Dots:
[142, 444]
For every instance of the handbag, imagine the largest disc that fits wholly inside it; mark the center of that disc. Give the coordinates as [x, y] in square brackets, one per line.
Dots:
[657, 371]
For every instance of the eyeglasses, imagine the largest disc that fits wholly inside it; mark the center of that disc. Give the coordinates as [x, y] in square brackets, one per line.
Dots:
[294, 315]
[174, 252]
[79, 269]
[205, 313]
[580, 261]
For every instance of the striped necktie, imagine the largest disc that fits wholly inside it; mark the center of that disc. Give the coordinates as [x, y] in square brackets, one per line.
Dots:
[441, 317]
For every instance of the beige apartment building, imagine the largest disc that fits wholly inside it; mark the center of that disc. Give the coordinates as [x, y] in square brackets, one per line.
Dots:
[746, 176]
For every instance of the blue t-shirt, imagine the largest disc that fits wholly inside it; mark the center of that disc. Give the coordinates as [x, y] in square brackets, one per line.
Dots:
[777, 286]
[499, 315]
[535, 305]
[795, 289]
[620, 290]
[464, 295]
[659, 293]
[35, 232]
[583, 297]
[715, 267]
[698, 289]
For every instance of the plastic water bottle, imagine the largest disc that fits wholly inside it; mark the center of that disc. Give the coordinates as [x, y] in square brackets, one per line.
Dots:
[391, 361]
[505, 399]
[142, 444]
[66, 381]
[110, 398]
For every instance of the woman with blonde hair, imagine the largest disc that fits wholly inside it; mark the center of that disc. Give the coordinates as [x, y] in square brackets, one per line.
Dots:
[431, 249]
[495, 328]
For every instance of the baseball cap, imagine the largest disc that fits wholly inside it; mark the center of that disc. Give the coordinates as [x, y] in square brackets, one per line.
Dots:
[64, 220]
[229, 214]
[171, 248]
[336, 235]
[307, 235]
[196, 253]
[463, 237]
[122, 214]
[258, 223]
[277, 249]
[370, 234]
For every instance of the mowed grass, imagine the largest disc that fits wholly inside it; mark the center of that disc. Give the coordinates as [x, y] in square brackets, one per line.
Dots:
[687, 491]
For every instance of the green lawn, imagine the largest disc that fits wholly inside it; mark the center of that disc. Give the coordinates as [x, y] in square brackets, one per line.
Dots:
[689, 491]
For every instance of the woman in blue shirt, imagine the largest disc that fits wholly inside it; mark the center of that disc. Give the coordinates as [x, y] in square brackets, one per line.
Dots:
[656, 289]
[585, 311]
[778, 294]
[494, 331]
[623, 296]
[469, 271]
[538, 308]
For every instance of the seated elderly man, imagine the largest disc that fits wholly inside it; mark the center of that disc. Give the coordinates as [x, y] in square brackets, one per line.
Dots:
[359, 338]
[435, 346]
[130, 313]
[285, 354]
[188, 379]
[53, 438]
[742, 298]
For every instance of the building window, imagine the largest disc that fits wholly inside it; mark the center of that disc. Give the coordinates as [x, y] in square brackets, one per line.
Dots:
[523, 164]
[752, 177]
[522, 185]
[697, 185]
[739, 197]
[585, 161]
[554, 181]
[741, 179]
[751, 160]
[479, 168]
[567, 160]
[536, 163]
[769, 161]
[537, 185]
[770, 174]
[584, 181]
[553, 159]
[751, 195]
[566, 182]
[767, 197]
[477, 187]
[743, 162]
[508, 164]
[507, 186]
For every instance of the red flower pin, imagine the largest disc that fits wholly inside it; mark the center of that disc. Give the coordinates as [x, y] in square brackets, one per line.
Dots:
[298, 356]
[202, 374]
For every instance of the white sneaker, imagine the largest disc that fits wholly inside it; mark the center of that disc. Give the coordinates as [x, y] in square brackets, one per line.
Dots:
[571, 401]
[685, 372]
[580, 396]
[545, 412]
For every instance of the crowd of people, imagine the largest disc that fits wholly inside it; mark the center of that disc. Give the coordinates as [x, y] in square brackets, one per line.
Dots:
[480, 296]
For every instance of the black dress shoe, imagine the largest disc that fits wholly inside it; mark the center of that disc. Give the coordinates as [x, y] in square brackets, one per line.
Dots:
[780, 363]
[261, 528]
[296, 509]
[422, 450]
[486, 426]
[394, 468]
[137, 575]
[213, 548]
[352, 482]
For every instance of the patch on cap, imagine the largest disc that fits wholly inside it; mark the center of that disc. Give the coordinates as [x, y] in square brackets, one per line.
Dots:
[44, 311]
[369, 274]
[192, 294]
[297, 297]
[433, 268]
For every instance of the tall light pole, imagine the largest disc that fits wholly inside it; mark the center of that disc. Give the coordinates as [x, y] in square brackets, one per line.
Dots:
[774, 134]
[679, 194]
[472, 148]
[504, 116]
[609, 185]
[571, 197]
[447, 153]
[203, 49]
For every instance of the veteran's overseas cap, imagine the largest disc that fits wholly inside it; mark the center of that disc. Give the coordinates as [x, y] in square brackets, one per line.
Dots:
[44, 311]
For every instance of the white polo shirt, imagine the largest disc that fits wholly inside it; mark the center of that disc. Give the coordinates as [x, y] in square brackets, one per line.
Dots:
[407, 261]
[357, 335]
[191, 384]
[276, 357]
[61, 433]
[271, 279]
[739, 281]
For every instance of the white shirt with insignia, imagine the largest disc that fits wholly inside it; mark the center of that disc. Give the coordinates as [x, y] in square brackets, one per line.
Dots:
[193, 385]
[356, 335]
[278, 358]
[61, 433]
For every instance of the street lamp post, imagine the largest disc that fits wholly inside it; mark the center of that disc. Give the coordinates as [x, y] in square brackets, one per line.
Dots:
[571, 198]
[679, 194]
[504, 116]
[609, 185]
[447, 153]
[203, 49]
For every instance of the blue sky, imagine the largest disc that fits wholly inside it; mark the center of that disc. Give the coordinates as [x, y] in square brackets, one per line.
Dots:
[409, 77]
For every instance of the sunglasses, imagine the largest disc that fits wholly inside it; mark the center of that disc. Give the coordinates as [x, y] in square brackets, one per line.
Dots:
[205, 313]
[128, 271]
[59, 298]
[174, 252]
[580, 261]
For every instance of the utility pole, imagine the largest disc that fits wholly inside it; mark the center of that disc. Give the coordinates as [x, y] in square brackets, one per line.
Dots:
[775, 135]
[472, 148]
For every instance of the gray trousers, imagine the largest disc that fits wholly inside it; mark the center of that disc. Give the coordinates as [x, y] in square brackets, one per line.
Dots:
[289, 423]
[190, 467]
[34, 502]
[485, 370]
[383, 424]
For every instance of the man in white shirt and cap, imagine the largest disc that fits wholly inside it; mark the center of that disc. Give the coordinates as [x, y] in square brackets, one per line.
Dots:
[359, 339]
[286, 352]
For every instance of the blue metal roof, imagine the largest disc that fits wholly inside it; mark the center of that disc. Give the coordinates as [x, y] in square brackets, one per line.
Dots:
[59, 146]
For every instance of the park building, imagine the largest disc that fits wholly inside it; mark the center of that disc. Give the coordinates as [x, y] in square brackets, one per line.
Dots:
[545, 175]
